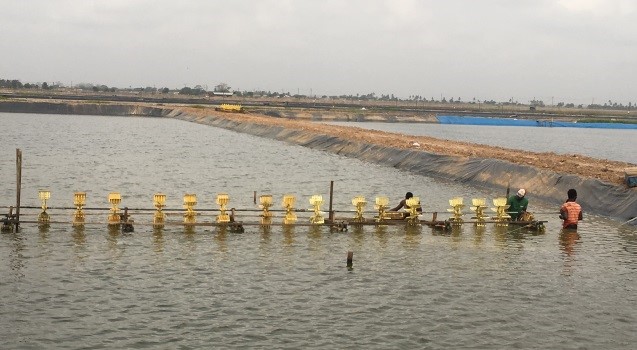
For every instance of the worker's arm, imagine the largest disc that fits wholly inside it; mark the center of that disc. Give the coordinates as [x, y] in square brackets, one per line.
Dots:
[400, 206]
[563, 213]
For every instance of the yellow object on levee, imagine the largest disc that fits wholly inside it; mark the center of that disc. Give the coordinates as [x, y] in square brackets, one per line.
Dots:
[225, 107]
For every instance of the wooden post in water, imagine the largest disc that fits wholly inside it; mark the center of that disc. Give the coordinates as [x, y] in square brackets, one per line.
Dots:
[255, 197]
[126, 222]
[508, 188]
[350, 259]
[331, 214]
[18, 164]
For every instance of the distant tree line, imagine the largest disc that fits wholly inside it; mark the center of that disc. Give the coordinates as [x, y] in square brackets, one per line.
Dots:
[199, 90]
[17, 84]
[224, 89]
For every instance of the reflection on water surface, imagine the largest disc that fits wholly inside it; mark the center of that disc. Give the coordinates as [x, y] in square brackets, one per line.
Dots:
[281, 287]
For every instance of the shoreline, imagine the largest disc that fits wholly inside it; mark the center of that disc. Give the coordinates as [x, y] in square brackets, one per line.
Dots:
[541, 173]
[353, 108]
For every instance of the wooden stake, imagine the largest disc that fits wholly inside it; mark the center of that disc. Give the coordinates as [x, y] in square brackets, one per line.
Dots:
[7, 224]
[331, 212]
[508, 187]
[18, 164]
[350, 258]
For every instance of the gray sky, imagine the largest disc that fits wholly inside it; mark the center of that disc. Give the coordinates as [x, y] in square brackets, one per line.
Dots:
[554, 50]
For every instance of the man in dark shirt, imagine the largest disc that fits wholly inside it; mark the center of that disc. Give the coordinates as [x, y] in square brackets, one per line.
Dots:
[403, 203]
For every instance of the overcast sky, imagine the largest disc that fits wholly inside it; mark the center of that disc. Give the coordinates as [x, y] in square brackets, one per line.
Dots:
[554, 50]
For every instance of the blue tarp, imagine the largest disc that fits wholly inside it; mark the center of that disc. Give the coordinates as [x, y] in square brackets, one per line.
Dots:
[469, 120]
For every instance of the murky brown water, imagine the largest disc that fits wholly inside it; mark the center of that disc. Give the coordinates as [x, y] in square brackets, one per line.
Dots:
[285, 288]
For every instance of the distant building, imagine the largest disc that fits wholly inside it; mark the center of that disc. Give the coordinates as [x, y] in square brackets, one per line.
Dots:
[218, 93]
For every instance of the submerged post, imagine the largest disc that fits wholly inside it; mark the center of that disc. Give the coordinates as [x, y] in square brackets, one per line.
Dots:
[126, 222]
[18, 164]
[331, 214]
[7, 224]
[350, 258]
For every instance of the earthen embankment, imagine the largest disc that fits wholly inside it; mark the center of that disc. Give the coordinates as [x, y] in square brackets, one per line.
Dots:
[544, 175]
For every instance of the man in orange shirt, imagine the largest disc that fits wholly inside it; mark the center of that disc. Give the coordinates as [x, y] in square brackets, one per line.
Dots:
[571, 212]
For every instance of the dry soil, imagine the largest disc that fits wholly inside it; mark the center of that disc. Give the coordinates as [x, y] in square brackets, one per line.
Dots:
[602, 169]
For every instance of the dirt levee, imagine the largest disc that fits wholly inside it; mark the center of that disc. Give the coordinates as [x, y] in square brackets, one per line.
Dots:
[544, 175]
[599, 182]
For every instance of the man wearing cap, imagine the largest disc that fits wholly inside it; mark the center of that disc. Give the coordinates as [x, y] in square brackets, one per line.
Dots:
[517, 204]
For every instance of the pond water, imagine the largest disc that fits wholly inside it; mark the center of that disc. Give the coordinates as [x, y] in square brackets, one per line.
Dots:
[284, 287]
[610, 144]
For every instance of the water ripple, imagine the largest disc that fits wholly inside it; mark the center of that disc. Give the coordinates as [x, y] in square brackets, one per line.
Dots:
[91, 288]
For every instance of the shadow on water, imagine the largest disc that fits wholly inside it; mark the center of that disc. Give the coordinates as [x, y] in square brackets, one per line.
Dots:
[113, 239]
[413, 236]
[265, 241]
[80, 247]
[113, 230]
[358, 234]
[43, 241]
[437, 231]
[79, 236]
[16, 256]
[44, 230]
[158, 240]
[221, 238]
[568, 241]
[288, 235]
[478, 235]
[501, 235]
[509, 236]
[456, 235]
[628, 236]
[265, 229]
[189, 230]
[314, 235]
[381, 235]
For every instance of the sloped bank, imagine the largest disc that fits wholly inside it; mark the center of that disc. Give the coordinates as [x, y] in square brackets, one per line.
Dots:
[111, 109]
[594, 195]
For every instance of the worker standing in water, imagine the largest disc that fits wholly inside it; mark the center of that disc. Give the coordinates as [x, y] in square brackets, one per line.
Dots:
[571, 211]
